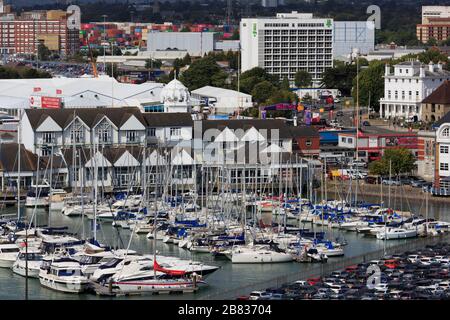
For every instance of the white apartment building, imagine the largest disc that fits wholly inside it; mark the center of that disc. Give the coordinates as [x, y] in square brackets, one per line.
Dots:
[407, 86]
[442, 171]
[287, 43]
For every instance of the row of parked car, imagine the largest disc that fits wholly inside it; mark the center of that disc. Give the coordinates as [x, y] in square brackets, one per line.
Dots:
[423, 274]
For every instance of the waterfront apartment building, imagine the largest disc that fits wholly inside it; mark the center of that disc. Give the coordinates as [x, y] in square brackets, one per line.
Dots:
[407, 86]
[287, 43]
[435, 24]
[441, 181]
[23, 34]
[426, 151]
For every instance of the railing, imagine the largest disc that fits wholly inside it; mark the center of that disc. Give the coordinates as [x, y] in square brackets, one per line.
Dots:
[321, 270]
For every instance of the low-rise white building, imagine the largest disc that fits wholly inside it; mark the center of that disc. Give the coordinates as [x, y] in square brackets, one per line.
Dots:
[407, 86]
[84, 92]
[224, 101]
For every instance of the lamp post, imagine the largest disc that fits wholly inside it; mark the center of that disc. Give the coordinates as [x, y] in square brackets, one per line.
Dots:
[104, 40]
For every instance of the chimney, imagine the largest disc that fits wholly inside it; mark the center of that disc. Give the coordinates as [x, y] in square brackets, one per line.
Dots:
[431, 66]
[422, 71]
[439, 66]
[387, 69]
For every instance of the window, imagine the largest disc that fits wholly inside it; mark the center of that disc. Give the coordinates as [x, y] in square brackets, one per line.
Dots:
[308, 143]
[445, 132]
[45, 152]
[77, 133]
[444, 149]
[104, 132]
[443, 166]
[175, 132]
[48, 137]
[152, 132]
[131, 136]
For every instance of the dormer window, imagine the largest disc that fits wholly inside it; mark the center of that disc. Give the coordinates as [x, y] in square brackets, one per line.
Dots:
[445, 133]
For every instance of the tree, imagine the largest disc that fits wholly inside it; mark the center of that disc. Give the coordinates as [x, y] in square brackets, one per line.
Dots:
[204, 72]
[254, 76]
[371, 85]
[434, 55]
[340, 77]
[152, 64]
[43, 52]
[432, 42]
[402, 161]
[285, 85]
[263, 91]
[303, 79]
[185, 29]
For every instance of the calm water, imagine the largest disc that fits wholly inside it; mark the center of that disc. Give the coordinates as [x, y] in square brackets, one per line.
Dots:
[229, 276]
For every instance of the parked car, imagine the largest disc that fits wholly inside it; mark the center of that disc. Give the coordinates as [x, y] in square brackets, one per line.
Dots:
[390, 182]
[366, 123]
[418, 183]
[259, 295]
[339, 114]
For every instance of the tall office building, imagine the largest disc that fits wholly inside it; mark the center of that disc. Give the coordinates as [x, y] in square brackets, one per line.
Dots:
[288, 43]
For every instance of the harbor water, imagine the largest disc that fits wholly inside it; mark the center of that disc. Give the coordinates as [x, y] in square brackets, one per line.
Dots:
[229, 276]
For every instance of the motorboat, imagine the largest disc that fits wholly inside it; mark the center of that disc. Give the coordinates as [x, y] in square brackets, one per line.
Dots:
[396, 233]
[56, 199]
[257, 254]
[8, 255]
[32, 257]
[63, 275]
[39, 200]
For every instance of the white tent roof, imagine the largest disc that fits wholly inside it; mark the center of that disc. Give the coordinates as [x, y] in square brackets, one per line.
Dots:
[209, 91]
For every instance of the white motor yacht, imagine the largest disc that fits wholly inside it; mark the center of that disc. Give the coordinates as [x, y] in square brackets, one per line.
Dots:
[34, 260]
[8, 255]
[257, 254]
[396, 233]
[65, 276]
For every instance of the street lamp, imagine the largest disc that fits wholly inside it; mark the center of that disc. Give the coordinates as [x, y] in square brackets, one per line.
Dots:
[104, 41]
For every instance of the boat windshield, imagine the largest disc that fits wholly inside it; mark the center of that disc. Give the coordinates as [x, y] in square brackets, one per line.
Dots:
[31, 257]
[111, 263]
[69, 272]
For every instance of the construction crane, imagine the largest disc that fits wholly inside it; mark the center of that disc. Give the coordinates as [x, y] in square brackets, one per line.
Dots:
[92, 61]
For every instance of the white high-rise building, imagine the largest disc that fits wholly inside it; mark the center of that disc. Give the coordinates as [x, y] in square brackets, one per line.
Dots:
[288, 43]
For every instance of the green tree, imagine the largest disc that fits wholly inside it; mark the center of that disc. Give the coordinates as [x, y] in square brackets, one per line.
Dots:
[285, 85]
[152, 64]
[252, 77]
[434, 55]
[340, 77]
[371, 85]
[263, 91]
[185, 29]
[43, 52]
[204, 72]
[402, 161]
[432, 42]
[303, 79]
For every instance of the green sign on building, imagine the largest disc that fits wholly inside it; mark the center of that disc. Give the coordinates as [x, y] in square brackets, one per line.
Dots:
[328, 23]
[255, 30]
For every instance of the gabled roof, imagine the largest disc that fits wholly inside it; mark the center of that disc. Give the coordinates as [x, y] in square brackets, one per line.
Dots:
[8, 158]
[90, 116]
[441, 95]
[162, 119]
[284, 130]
